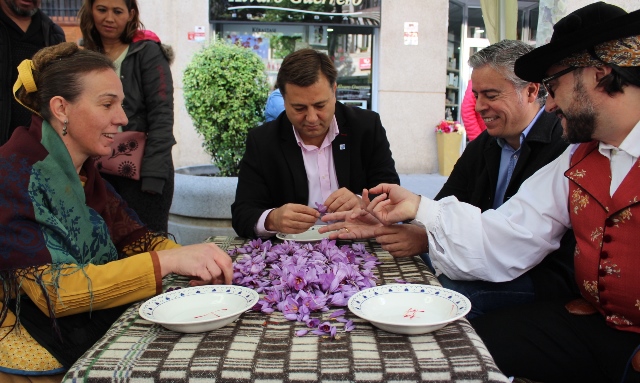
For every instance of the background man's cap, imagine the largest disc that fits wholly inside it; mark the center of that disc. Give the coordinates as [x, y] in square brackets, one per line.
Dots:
[588, 26]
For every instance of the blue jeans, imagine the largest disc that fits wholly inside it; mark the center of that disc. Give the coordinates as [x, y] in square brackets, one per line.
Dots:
[488, 296]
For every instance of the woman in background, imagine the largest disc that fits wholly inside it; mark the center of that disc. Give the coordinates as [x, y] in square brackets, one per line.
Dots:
[113, 27]
[472, 120]
[74, 256]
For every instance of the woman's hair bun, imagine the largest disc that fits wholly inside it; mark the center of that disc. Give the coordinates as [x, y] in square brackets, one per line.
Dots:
[47, 55]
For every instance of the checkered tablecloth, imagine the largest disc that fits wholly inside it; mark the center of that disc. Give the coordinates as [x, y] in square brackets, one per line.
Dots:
[264, 348]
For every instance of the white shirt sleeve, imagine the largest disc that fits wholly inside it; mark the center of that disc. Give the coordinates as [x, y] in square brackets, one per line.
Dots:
[500, 245]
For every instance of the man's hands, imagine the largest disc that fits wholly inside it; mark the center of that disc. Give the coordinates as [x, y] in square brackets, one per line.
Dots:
[350, 225]
[291, 218]
[394, 204]
[402, 240]
[205, 262]
[372, 219]
[343, 200]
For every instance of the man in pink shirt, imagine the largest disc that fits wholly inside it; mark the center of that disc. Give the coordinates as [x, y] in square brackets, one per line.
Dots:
[318, 152]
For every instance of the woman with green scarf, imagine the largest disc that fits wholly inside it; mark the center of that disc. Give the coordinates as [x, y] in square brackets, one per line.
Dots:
[73, 256]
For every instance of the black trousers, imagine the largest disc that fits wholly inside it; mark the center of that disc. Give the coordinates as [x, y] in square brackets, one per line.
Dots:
[544, 342]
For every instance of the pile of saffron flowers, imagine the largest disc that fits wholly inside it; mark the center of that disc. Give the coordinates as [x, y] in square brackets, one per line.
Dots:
[299, 279]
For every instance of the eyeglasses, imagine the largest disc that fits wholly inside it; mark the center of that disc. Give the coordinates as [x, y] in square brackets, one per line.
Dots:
[546, 81]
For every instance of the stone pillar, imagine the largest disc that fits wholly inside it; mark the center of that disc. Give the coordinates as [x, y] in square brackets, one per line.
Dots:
[411, 95]
[172, 21]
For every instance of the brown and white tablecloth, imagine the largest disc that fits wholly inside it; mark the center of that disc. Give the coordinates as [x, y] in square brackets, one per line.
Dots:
[264, 348]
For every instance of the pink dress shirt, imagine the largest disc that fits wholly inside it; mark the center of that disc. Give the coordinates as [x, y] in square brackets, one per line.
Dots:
[321, 173]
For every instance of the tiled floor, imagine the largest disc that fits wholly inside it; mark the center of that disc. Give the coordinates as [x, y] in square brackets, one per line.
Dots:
[427, 185]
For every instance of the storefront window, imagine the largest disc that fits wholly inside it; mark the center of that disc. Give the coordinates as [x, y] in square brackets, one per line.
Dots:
[528, 24]
[454, 32]
[350, 51]
[344, 32]
[475, 29]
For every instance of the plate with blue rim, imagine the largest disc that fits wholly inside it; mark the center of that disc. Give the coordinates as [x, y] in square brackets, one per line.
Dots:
[200, 308]
[409, 308]
[311, 235]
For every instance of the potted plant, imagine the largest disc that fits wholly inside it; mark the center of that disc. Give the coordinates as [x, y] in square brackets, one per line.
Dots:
[225, 91]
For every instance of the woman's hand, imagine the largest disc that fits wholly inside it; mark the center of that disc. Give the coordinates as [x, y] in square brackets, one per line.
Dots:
[206, 263]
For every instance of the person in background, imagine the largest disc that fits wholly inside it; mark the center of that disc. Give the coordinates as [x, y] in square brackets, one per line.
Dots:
[318, 152]
[24, 29]
[520, 139]
[591, 70]
[113, 27]
[74, 256]
[471, 119]
[274, 106]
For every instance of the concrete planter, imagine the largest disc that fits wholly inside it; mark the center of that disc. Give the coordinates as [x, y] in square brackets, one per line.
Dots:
[201, 204]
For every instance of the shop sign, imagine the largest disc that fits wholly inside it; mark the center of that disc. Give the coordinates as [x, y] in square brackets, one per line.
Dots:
[343, 12]
[410, 33]
[198, 34]
[331, 2]
[365, 63]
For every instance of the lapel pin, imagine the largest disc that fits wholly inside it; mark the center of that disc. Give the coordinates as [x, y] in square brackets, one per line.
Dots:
[343, 146]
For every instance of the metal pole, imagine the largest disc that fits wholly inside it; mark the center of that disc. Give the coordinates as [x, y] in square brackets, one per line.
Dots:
[503, 19]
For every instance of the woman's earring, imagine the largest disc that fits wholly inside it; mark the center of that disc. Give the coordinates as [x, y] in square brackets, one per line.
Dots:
[64, 130]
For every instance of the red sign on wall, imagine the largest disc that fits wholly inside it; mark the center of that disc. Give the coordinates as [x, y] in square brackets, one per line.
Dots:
[365, 63]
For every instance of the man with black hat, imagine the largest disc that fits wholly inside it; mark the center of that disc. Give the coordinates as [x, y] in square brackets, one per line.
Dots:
[591, 70]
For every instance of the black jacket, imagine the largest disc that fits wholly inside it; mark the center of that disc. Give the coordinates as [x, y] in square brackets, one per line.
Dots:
[148, 89]
[474, 179]
[272, 170]
[53, 35]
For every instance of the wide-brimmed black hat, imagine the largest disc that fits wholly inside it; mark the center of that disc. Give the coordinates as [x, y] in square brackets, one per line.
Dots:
[588, 26]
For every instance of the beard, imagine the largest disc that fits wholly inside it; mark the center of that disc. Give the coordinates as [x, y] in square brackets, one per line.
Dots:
[21, 11]
[580, 116]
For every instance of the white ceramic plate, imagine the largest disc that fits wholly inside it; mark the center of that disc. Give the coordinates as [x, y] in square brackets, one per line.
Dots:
[408, 308]
[199, 309]
[310, 235]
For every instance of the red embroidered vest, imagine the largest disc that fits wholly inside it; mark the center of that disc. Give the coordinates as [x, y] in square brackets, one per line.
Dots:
[607, 229]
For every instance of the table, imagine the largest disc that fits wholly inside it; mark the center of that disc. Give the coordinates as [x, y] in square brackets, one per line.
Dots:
[264, 348]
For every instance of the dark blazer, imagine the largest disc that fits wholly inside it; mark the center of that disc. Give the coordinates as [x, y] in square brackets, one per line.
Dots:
[474, 179]
[272, 170]
[52, 34]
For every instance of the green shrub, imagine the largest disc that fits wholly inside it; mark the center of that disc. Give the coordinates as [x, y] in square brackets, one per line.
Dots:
[225, 91]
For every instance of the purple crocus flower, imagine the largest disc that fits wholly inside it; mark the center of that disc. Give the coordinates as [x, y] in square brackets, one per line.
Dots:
[325, 327]
[337, 313]
[349, 326]
[297, 280]
[321, 208]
